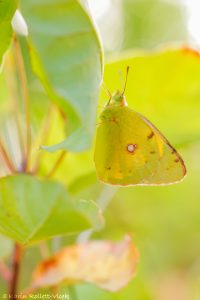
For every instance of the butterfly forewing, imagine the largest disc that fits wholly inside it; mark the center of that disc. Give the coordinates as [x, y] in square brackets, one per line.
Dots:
[131, 151]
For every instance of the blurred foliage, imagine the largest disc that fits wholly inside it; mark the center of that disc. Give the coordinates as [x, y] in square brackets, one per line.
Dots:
[7, 9]
[143, 24]
[5, 247]
[149, 23]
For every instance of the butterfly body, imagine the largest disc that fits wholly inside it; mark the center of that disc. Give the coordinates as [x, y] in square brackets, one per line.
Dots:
[129, 150]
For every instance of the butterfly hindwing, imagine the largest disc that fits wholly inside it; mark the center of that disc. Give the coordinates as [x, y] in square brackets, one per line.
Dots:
[131, 151]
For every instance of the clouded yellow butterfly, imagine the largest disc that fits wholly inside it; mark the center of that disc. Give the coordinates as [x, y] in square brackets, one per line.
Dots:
[129, 150]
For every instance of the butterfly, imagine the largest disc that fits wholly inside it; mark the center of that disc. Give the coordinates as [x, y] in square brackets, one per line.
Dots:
[130, 150]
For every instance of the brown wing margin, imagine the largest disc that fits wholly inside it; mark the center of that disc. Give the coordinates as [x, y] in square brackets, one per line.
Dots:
[173, 150]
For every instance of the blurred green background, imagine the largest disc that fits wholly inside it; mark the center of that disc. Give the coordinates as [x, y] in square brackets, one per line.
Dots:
[164, 85]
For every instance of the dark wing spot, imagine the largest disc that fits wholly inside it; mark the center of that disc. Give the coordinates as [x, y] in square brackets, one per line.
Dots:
[176, 160]
[152, 152]
[108, 168]
[150, 135]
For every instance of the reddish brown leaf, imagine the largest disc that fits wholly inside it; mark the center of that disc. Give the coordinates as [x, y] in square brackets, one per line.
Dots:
[108, 265]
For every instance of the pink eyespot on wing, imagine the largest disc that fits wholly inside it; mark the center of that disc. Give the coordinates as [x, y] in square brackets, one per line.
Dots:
[131, 148]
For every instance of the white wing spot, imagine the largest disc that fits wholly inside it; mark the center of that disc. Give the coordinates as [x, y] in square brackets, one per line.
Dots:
[131, 148]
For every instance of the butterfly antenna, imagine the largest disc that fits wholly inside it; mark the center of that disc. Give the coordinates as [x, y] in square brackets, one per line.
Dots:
[106, 90]
[121, 78]
[127, 70]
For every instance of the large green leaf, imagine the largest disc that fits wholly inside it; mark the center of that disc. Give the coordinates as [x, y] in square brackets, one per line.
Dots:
[164, 87]
[66, 56]
[7, 9]
[5, 247]
[32, 210]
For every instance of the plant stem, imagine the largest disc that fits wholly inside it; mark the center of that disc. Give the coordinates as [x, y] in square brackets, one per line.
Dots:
[20, 135]
[57, 164]
[25, 96]
[15, 271]
[6, 158]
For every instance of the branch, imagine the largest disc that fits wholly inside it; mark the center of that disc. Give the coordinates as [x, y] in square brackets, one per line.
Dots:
[6, 158]
[57, 164]
[15, 271]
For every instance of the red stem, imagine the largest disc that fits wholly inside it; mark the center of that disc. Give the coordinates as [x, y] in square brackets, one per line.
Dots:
[15, 271]
[6, 158]
[57, 164]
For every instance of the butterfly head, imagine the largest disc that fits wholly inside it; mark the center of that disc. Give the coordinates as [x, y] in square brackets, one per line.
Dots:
[118, 98]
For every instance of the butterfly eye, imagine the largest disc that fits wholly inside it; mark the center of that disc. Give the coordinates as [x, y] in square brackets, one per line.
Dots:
[131, 148]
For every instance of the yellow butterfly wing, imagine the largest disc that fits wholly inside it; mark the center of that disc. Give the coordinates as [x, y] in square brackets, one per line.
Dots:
[129, 150]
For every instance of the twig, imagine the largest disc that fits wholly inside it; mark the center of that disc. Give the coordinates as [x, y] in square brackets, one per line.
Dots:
[57, 164]
[8, 137]
[5, 272]
[6, 158]
[20, 135]
[15, 271]
[23, 81]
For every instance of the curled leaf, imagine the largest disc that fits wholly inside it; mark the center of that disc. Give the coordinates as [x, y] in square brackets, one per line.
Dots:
[71, 72]
[78, 141]
[108, 265]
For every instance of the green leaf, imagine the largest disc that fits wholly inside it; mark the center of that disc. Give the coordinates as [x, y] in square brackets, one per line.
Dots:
[5, 247]
[78, 141]
[33, 210]
[66, 56]
[164, 87]
[7, 9]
